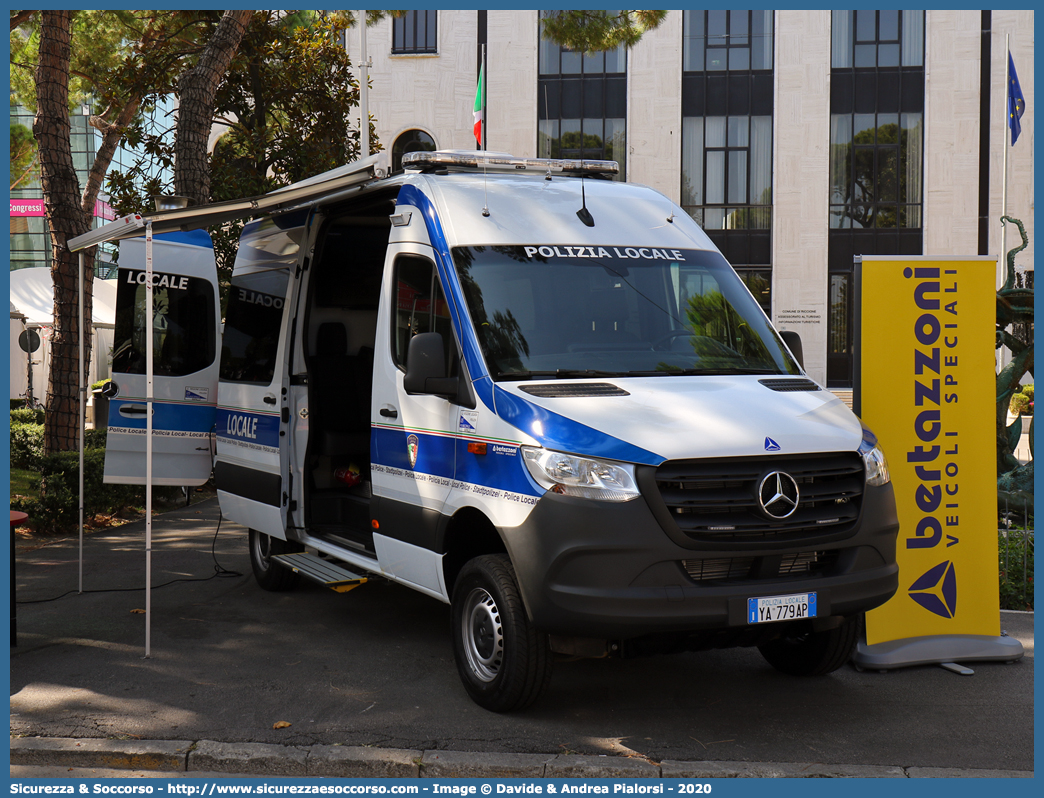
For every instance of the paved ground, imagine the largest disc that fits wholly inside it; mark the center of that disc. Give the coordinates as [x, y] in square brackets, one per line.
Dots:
[373, 668]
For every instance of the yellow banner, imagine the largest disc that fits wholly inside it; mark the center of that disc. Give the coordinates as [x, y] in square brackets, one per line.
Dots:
[928, 391]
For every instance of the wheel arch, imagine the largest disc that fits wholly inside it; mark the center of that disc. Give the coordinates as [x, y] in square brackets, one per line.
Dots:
[468, 534]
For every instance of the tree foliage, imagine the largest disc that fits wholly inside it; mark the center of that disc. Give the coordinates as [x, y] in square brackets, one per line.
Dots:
[108, 63]
[286, 104]
[25, 166]
[591, 31]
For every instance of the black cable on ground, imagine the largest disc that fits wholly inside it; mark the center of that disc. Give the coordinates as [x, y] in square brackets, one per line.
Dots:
[220, 572]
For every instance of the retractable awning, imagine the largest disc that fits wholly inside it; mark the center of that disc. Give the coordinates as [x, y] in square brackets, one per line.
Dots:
[194, 218]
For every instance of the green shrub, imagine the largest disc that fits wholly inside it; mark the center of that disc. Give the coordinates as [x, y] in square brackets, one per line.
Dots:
[1022, 401]
[26, 444]
[1015, 547]
[94, 438]
[98, 497]
[27, 415]
[56, 509]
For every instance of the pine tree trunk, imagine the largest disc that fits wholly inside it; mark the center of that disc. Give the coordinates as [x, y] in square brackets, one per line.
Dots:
[66, 219]
[197, 89]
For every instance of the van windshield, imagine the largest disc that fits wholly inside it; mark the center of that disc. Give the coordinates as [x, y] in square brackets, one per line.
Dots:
[580, 311]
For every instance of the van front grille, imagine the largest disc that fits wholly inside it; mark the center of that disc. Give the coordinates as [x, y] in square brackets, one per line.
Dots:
[718, 500]
[721, 569]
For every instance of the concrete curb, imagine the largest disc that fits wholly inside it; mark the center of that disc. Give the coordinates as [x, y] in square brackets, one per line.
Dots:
[261, 759]
[91, 753]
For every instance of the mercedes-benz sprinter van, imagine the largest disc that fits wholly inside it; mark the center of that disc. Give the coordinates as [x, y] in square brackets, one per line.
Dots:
[527, 390]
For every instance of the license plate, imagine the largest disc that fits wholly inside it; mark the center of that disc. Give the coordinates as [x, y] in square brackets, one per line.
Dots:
[781, 608]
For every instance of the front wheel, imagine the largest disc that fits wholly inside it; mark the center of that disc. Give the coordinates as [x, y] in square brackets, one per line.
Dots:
[813, 653]
[502, 660]
[270, 575]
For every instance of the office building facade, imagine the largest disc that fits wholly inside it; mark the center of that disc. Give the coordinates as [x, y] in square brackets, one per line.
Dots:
[798, 139]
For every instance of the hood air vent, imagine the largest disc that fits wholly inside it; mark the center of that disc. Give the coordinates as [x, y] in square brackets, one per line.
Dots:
[555, 390]
[790, 385]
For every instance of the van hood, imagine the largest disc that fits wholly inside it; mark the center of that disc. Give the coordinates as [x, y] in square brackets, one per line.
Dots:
[671, 418]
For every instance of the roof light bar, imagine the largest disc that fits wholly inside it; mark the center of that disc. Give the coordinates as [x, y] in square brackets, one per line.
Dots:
[502, 160]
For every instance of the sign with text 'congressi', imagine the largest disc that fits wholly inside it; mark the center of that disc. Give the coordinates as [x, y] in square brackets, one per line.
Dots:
[928, 391]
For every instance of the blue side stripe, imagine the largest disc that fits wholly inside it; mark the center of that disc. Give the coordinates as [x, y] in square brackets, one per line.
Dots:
[239, 425]
[411, 195]
[389, 447]
[195, 238]
[501, 468]
[165, 416]
[557, 432]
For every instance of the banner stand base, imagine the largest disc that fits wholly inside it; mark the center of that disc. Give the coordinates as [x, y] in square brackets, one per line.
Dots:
[936, 650]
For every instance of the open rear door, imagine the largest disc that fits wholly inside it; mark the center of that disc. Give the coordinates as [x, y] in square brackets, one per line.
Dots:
[184, 323]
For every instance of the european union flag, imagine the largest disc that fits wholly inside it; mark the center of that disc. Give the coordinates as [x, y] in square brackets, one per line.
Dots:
[1016, 102]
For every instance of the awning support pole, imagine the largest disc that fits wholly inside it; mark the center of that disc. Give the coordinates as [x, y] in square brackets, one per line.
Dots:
[149, 340]
[81, 416]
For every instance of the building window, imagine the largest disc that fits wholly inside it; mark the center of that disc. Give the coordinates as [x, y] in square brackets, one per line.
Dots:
[582, 104]
[876, 155]
[727, 97]
[414, 33]
[410, 141]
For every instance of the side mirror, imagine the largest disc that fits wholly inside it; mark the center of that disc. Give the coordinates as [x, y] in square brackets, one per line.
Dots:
[793, 342]
[426, 367]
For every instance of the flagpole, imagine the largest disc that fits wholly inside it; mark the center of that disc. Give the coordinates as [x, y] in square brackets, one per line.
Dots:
[364, 90]
[1004, 138]
[485, 83]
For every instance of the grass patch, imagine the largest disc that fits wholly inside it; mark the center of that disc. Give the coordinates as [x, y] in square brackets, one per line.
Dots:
[21, 482]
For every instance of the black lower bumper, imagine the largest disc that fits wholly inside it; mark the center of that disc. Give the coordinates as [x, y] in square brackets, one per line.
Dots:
[607, 570]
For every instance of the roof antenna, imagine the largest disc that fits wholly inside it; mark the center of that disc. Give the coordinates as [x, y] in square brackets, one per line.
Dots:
[485, 199]
[583, 214]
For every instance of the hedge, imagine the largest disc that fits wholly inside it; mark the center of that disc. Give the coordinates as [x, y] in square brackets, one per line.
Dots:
[27, 415]
[27, 443]
[57, 508]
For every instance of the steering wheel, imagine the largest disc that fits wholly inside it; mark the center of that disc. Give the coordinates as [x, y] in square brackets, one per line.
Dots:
[659, 342]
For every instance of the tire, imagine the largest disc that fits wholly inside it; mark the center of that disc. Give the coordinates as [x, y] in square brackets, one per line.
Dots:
[268, 574]
[813, 653]
[504, 662]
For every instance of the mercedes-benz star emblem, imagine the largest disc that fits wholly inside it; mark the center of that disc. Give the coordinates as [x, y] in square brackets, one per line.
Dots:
[778, 495]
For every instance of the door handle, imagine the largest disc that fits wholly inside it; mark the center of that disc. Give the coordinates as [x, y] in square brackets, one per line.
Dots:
[389, 412]
[269, 399]
[132, 411]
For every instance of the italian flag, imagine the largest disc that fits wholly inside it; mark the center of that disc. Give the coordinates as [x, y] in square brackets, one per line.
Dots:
[480, 97]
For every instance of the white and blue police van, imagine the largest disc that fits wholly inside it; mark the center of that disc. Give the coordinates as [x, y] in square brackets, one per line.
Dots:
[522, 388]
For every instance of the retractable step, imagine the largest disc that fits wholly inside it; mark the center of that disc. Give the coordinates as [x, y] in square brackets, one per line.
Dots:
[319, 570]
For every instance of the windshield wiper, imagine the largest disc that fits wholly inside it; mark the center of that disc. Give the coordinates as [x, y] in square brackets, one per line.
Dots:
[558, 374]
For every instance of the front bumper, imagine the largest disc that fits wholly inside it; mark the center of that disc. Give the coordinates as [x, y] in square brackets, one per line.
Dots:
[606, 570]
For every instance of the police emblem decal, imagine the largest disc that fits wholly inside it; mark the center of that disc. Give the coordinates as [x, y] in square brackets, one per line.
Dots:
[411, 449]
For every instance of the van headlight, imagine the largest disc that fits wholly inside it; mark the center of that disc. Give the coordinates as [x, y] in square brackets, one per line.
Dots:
[876, 466]
[581, 476]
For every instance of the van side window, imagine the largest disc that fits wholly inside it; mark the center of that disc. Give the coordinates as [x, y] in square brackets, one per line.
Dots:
[182, 324]
[252, 324]
[420, 306]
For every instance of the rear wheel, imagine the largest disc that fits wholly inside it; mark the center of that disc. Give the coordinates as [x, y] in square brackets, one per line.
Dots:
[271, 575]
[813, 653]
[502, 660]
